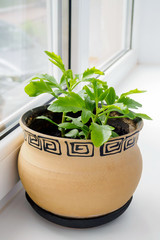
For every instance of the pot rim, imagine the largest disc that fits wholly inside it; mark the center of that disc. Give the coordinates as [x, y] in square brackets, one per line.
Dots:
[25, 116]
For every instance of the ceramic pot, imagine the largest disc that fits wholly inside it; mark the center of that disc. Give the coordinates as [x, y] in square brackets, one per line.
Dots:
[73, 178]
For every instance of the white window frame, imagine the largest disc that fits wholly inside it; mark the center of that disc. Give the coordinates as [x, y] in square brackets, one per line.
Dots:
[10, 145]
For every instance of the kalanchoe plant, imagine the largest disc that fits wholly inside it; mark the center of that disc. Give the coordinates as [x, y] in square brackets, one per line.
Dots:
[95, 101]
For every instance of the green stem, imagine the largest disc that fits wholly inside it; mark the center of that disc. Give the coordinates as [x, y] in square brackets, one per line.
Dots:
[107, 116]
[63, 120]
[88, 134]
[75, 85]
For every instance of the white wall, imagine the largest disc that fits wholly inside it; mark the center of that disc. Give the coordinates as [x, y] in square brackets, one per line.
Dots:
[149, 32]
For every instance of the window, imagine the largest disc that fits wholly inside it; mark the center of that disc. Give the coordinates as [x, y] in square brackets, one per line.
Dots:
[101, 32]
[95, 32]
[27, 28]
[23, 38]
[108, 35]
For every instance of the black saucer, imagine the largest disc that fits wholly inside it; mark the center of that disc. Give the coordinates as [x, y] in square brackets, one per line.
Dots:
[78, 222]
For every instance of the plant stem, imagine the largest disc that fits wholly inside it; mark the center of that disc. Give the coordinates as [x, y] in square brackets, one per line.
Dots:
[63, 120]
[107, 116]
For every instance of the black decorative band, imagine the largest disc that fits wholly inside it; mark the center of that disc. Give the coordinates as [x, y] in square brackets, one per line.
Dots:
[79, 148]
[116, 146]
[47, 144]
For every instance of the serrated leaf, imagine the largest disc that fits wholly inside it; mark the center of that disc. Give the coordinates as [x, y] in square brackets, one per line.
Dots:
[91, 71]
[93, 80]
[111, 96]
[72, 134]
[132, 92]
[34, 89]
[100, 133]
[72, 103]
[58, 65]
[47, 77]
[86, 115]
[56, 60]
[47, 119]
[130, 103]
[142, 115]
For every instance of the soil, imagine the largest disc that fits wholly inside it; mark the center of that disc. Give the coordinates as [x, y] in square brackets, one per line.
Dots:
[122, 125]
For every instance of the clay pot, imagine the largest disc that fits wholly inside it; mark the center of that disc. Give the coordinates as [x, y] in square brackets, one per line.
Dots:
[73, 178]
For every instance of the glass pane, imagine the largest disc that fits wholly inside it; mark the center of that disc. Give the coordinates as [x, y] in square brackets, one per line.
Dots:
[108, 29]
[23, 39]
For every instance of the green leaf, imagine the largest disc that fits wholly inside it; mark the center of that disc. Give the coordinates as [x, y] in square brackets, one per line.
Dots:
[89, 92]
[114, 134]
[47, 119]
[67, 75]
[56, 60]
[111, 96]
[76, 121]
[103, 95]
[90, 105]
[130, 115]
[72, 103]
[130, 103]
[63, 80]
[100, 133]
[72, 82]
[67, 125]
[81, 134]
[91, 71]
[119, 107]
[34, 89]
[48, 78]
[72, 134]
[93, 80]
[85, 130]
[132, 92]
[142, 115]
[86, 115]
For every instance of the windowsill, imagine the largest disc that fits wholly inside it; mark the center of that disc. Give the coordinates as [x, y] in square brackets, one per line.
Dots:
[141, 220]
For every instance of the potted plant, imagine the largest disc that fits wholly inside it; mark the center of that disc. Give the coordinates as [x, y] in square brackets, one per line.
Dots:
[80, 163]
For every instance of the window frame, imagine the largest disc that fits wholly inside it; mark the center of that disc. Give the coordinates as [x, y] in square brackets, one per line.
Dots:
[11, 143]
[12, 138]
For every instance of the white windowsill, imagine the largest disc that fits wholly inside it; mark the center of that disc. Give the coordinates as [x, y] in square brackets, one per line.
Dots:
[141, 220]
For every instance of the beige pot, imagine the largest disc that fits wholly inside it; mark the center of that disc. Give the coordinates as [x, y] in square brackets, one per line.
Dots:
[73, 178]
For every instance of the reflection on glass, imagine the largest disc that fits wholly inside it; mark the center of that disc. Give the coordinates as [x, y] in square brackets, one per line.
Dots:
[23, 38]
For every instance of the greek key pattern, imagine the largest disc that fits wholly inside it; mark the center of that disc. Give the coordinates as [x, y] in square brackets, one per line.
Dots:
[130, 141]
[47, 144]
[121, 144]
[80, 148]
[111, 147]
